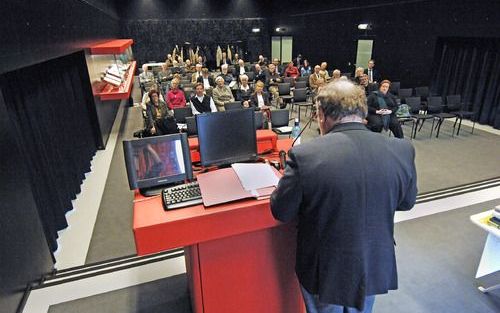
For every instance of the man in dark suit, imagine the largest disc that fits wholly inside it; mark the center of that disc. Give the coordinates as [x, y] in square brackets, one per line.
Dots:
[343, 189]
[372, 72]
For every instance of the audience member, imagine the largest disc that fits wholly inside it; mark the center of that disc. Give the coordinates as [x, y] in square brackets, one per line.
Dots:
[244, 91]
[206, 79]
[236, 58]
[298, 61]
[262, 61]
[342, 190]
[314, 77]
[324, 67]
[188, 67]
[165, 74]
[201, 103]
[272, 81]
[146, 76]
[292, 71]
[260, 74]
[157, 114]
[197, 73]
[305, 69]
[382, 109]
[221, 94]
[373, 74]
[228, 78]
[279, 67]
[259, 100]
[146, 98]
[357, 74]
[240, 69]
[175, 97]
[225, 59]
[169, 61]
[336, 74]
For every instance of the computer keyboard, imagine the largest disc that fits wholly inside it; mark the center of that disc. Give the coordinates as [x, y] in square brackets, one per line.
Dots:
[181, 196]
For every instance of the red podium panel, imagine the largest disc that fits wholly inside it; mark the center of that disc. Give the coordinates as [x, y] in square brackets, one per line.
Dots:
[238, 257]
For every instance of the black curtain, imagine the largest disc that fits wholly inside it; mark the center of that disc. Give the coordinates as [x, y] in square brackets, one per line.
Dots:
[56, 127]
[470, 67]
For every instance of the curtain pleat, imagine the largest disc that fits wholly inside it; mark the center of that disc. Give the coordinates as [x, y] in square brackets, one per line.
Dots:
[54, 124]
[470, 67]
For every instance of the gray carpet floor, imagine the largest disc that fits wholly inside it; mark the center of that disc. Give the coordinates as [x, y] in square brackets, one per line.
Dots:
[442, 162]
[437, 260]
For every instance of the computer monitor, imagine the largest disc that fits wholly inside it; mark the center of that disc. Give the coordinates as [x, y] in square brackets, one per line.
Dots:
[226, 137]
[156, 162]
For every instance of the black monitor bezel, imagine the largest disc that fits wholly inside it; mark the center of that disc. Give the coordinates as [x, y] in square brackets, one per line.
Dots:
[233, 159]
[134, 182]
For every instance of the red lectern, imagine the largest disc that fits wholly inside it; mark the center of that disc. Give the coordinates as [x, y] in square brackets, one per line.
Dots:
[238, 258]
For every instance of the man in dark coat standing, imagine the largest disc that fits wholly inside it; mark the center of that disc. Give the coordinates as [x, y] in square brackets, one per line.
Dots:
[344, 188]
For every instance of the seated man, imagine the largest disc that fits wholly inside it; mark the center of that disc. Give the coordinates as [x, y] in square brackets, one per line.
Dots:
[336, 74]
[188, 67]
[201, 103]
[292, 71]
[313, 78]
[175, 97]
[206, 79]
[260, 101]
[382, 109]
[240, 69]
[272, 81]
[228, 78]
[165, 74]
[324, 67]
[146, 76]
[260, 74]
[221, 94]
[197, 73]
[159, 119]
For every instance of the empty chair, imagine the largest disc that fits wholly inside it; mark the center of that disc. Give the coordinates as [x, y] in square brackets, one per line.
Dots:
[300, 84]
[235, 105]
[404, 93]
[394, 88]
[284, 92]
[415, 104]
[251, 76]
[454, 105]
[435, 107]
[259, 120]
[191, 126]
[289, 80]
[300, 99]
[422, 92]
[280, 118]
[302, 78]
[180, 114]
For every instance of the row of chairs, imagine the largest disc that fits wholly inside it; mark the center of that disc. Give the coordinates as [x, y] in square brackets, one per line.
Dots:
[434, 108]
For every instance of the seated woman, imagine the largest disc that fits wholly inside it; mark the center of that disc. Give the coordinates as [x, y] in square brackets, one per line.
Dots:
[336, 75]
[201, 103]
[305, 69]
[382, 109]
[221, 94]
[244, 91]
[358, 74]
[259, 100]
[159, 119]
[146, 98]
[175, 97]
[292, 71]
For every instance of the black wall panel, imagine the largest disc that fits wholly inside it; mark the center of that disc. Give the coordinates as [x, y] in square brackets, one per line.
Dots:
[154, 39]
[36, 31]
[24, 254]
[404, 32]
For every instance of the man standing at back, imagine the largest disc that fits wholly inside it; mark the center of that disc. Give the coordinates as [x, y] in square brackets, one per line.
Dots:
[344, 188]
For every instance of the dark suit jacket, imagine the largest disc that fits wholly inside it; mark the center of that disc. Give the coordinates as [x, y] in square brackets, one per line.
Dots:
[211, 80]
[236, 72]
[254, 102]
[344, 189]
[373, 104]
[376, 75]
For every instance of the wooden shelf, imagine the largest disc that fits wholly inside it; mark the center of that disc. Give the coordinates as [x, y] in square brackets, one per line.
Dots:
[117, 46]
[110, 92]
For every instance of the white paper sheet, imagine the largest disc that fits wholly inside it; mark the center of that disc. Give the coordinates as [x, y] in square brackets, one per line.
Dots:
[255, 175]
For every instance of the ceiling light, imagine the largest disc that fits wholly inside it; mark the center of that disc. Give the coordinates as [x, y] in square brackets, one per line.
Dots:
[364, 26]
[255, 30]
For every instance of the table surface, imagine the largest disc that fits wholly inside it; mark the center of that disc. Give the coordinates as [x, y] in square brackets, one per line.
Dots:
[480, 220]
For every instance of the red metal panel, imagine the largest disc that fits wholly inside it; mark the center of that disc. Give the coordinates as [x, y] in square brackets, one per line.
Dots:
[117, 46]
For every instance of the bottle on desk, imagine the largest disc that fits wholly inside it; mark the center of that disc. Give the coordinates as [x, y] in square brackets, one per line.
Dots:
[296, 132]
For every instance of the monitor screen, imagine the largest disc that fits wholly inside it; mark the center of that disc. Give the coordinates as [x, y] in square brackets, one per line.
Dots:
[227, 137]
[157, 161]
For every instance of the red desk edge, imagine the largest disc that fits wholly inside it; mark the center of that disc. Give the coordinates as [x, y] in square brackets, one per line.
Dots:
[117, 46]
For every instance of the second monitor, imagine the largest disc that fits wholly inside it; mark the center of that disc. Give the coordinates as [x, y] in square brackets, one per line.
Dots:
[227, 137]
